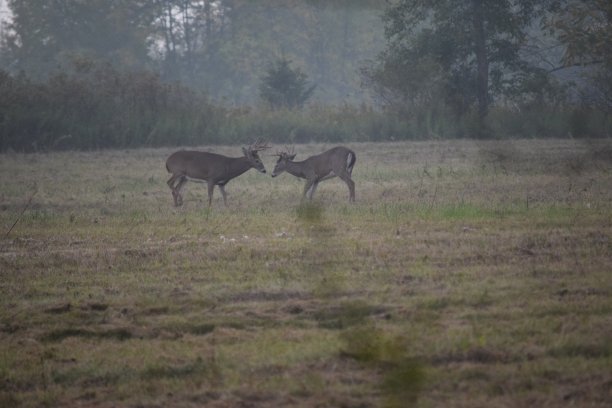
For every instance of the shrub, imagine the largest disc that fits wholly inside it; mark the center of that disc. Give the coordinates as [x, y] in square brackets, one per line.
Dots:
[98, 106]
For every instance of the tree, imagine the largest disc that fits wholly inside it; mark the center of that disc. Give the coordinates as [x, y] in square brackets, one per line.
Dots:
[185, 34]
[221, 46]
[466, 52]
[585, 29]
[285, 87]
[43, 34]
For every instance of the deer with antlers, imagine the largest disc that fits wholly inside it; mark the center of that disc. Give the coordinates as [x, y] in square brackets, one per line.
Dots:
[212, 168]
[338, 161]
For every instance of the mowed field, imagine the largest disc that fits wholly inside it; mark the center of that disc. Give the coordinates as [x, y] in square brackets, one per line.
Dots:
[467, 274]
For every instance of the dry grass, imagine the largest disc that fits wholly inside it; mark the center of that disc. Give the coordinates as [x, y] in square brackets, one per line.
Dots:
[467, 274]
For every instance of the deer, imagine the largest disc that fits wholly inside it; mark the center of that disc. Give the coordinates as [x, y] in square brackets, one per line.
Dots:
[214, 169]
[337, 161]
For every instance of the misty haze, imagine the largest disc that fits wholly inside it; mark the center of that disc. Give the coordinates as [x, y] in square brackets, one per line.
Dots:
[339, 203]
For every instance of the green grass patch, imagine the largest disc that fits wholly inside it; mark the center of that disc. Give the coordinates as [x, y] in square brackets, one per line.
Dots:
[404, 376]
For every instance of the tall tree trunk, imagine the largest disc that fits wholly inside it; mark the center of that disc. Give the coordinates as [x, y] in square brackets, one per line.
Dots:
[482, 62]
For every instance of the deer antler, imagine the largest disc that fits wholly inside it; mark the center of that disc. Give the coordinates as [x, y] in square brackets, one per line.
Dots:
[258, 146]
[288, 151]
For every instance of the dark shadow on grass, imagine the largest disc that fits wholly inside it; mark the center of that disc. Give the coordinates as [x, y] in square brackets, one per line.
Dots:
[197, 368]
[596, 351]
[120, 334]
[346, 314]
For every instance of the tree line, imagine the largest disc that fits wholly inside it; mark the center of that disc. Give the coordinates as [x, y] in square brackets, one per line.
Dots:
[220, 46]
[471, 55]
[129, 73]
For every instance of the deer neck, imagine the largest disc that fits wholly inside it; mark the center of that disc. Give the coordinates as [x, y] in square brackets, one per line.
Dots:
[296, 169]
[238, 165]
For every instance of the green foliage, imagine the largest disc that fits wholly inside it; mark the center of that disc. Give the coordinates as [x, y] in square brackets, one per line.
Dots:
[461, 54]
[285, 87]
[585, 29]
[328, 40]
[44, 34]
[319, 124]
[98, 106]
[220, 46]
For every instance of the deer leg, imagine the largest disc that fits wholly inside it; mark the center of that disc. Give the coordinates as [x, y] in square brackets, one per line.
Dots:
[307, 187]
[313, 189]
[351, 185]
[176, 191]
[170, 183]
[222, 188]
[211, 187]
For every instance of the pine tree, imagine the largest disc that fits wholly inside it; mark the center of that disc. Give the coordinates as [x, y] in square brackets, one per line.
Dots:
[285, 87]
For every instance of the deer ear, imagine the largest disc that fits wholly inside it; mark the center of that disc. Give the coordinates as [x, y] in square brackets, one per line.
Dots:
[245, 151]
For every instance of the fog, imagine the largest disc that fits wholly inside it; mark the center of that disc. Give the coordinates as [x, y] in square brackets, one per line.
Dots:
[130, 73]
[223, 47]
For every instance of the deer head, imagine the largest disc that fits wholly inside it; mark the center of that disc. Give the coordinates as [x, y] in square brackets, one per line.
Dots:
[284, 156]
[252, 154]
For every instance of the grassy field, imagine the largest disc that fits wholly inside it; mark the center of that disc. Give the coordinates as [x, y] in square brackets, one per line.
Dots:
[466, 274]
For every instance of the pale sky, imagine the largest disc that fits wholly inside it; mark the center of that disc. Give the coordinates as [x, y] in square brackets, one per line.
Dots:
[4, 12]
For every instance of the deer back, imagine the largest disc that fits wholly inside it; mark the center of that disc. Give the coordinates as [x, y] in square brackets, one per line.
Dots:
[196, 165]
[337, 160]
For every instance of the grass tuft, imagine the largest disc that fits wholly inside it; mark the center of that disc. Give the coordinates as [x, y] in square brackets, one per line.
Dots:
[310, 212]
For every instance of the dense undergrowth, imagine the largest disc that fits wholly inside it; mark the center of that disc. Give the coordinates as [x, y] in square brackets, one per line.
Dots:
[98, 106]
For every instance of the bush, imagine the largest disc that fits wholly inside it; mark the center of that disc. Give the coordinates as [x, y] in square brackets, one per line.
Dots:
[98, 106]
[317, 124]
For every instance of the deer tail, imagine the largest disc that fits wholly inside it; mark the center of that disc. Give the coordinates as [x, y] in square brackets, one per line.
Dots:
[350, 161]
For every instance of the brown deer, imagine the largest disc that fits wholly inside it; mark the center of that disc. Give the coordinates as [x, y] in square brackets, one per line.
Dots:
[338, 161]
[214, 169]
